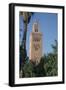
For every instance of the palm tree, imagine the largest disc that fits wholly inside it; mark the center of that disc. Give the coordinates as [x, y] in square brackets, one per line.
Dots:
[26, 20]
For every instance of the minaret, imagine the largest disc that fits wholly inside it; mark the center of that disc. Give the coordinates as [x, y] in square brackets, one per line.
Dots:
[35, 44]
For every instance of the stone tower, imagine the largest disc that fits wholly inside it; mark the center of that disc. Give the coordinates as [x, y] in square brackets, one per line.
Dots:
[35, 44]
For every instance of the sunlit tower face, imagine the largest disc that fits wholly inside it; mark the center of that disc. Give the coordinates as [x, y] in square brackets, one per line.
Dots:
[35, 44]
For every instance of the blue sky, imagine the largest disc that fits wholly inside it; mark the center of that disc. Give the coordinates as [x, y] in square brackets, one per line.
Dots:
[48, 28]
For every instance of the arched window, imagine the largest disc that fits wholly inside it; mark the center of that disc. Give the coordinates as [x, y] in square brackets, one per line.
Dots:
[36, 30]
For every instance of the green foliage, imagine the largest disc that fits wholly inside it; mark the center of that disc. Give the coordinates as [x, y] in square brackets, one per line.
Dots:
[51, 65]
[28, 70]
[51, 62]
[39, 70]
[48, 65]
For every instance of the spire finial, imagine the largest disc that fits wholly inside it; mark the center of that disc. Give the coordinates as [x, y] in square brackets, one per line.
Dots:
[36, 26]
